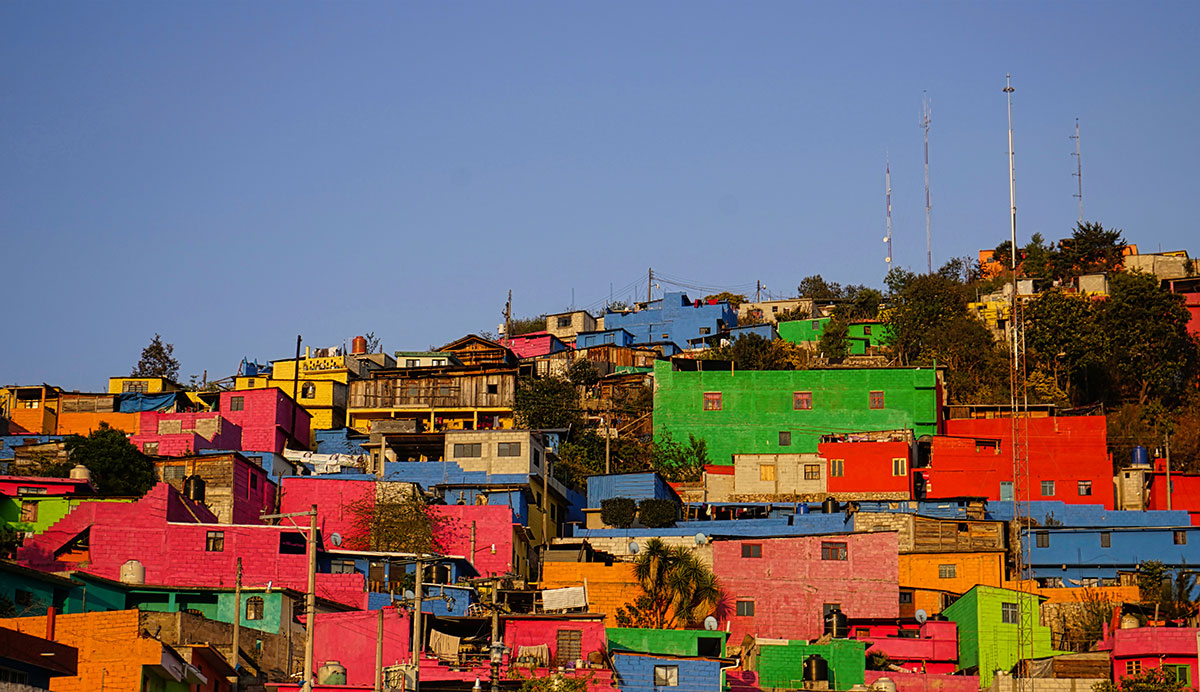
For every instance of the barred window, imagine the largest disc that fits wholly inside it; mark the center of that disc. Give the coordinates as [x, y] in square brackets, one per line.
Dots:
[834, 551]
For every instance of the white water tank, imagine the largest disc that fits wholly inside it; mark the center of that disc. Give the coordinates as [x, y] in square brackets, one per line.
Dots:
[133, 572]
[883, 685]
[81, 473]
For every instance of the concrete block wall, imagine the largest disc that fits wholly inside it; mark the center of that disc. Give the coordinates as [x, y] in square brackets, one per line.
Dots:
[635, 672]
[609, 587]
[928, 682]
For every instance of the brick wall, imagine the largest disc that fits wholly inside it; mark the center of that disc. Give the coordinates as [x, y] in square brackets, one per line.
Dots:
[608, 586]
[923, 682]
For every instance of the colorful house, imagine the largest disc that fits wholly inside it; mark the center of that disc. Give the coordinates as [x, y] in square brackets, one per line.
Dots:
[788, 411]
[235, 489]
[784, 587]
[141, 385]
[612, 337]
[862, 336]
[673, 318]
[667, 642]
[29, 662]
[1136, 650]
[988, 630]
[30, 410]
[534, 344]
[566, 325]
[419, 400]
[636, 672]
[868, 470]
[259, 420]
[932, 581]
[934, 649]
[782, 665]
[610, 585]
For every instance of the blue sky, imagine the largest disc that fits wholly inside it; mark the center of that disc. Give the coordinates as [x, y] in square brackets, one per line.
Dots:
[231, 175]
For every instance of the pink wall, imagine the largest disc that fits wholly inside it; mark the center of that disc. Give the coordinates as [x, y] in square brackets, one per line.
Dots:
[493, 527]
[332, 498]
[349, 638]
[533, 632]
[790, 583]
[253, 492]
[918, 682]
[183, 444]
[934, 651]
[265, 419]
[11, 485]
[160, 531]
[1152, 646]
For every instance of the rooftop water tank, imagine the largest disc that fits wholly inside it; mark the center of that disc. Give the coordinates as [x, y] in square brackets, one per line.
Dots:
[358, 345]
[1129, 622]
[883, 685]
[193, 488]
[81, 473]
[837, 625]
[133, 572]
[332, 673]
[1139, 456]
[830, 505]
[816, 669]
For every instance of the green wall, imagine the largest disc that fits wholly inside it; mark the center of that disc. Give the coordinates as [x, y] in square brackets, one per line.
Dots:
[663, 642]
[798, 331]
[214, 605]
[757, 406]
[987, 642]
[51, 508]
[783, 666]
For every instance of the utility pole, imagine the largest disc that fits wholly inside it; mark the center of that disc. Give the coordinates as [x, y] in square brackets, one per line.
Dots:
[310, 599]
[418, 628]
[758, 291]
[508, 317]
[608, 432]
[649, 284]
[1078, 170]
[1169, 488]
[234, 654]
[926, 119]
[887, 184]
[495, 633]
[295, 387]
[379, 654]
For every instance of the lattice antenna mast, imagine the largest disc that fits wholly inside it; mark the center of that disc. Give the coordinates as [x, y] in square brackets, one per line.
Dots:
[1078, 170]
[887, 184]
[1019, 401]
[926, 119]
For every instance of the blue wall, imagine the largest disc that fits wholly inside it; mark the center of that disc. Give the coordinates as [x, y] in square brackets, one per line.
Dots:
[8, 442]
[636, 672]
[1088, 515]
[675, 316]
[340, 441]
[619, 337]
[1080, 550]
[797, 525]
[635, 486]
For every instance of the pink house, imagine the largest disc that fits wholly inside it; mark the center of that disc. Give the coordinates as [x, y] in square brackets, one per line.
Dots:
[12, 486]
[349, 638]
[926, 682]
[181, 434]
[781, 587]
[933, 650]
[254, 420]
[568, 640]
[535, 344]
[1135, 650]
[179, 543]
[237, 490]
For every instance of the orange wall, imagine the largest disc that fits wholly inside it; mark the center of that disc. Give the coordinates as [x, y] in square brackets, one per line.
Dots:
[36, 421]
[608, 588]
[921, 571]
[85, 422]
[109, 647]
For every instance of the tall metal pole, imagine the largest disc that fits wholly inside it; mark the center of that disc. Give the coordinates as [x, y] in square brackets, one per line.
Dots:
[495, 633]
[379, 654]
[310, 599]
[234, 654]
[649, 284]
[418, 627]
[1078, 170]
[608, 433]
[887, 183]
[926, 114]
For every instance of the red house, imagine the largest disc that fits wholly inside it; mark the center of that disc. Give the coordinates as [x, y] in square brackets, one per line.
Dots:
[12, 486]
[782, 587]
[1135, 650]
[867, 467]
[1067, 459]
[934, 649]
[535, 344]
[1184, 490]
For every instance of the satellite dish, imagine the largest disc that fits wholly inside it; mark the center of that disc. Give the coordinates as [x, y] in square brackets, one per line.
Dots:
[409, 594]
[336, 539]
[710, 623]
[633, 548]
[701, 539]
[921, 616]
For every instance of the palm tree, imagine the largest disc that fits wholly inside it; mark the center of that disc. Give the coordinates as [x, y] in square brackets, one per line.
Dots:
[678, 590]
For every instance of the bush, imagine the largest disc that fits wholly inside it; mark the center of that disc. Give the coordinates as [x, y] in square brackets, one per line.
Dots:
[656, 514]
[618, 512]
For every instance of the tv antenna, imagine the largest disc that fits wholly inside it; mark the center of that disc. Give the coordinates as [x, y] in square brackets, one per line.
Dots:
[926, 119]
[1078, 170]
[887, 184]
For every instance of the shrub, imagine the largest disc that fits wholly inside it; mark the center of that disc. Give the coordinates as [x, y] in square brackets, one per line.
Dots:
[618, 512]
[656, 514]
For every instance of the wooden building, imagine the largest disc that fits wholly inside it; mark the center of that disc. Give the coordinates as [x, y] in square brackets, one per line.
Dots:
[423, 400]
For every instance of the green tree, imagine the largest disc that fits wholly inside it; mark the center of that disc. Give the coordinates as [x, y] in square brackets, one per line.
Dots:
[835, 344]
[735, 299]
[861, 304]
[582, 373]
[117, 467]
[679, 462]
[1151, 353]
[753, 352]
[1148, 680]
[395, 519]
[817, 288]
[1170, 592]
[157, 361]
[526, 325]
[677, 589]
[1063, 337]
[546, 402]
[1090, 249]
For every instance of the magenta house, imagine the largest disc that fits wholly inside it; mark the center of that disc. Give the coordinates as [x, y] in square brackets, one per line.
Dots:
[1142, 648]
[253, 420]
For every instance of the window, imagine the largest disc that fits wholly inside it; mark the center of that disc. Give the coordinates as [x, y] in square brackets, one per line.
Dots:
[564, 322]
[438, 362]
[1047, 488]
[1181, 538]
[214, 542]
[1179, 672]
[251, 383]
[745, 608]
[29, 511]
[150, 448]
[412, 362]
[342, 567]
[1085, 488]
[1008, 613]
[837, 468]
[752, 550]
[947, 571]
[443, 390]
[508, 449]
[899, 467]
[705, 330]
[174, 472]
[1133, 667]
[15, 676]
[135, 387]
[766, 472]
[833, 551]
[22, 597]
[712, 401]
[666, 676]
[1043, 539]
[610, 338]
[709, 646]
[493, 389]
[785, 438]
[253, 480]
[812, 472]
[816, 324]
[31, 403]
[1106, 539]
[802, 401]
[292, 543]
[308, 390]
[992, 446]
[254, 608]
[867, 330]
[906, 598]
[570, 646]
[1006, 491]
[876, 400]
[237, 403]
[467, 451]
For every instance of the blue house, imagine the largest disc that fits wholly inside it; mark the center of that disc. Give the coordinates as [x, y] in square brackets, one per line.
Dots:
[766, 330]
[614, 337]
[1083, 556]
[635, 486]
[673, 318]
[638, 672]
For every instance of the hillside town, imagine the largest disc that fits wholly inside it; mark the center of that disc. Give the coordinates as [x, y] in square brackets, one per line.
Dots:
[981, 478]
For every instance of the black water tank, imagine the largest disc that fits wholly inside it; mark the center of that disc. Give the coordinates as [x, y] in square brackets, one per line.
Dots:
[193, 488]
[830, 505]
[815, 669]
[837, 625]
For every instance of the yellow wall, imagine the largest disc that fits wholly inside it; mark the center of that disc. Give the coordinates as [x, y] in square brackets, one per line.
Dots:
[154, 385]
[453, 419]
[608, 587]
[333, 368]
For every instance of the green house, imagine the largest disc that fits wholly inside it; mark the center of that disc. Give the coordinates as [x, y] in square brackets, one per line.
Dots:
[31, 592]
[782, 665]
[32, 514]
[988, 630]
[667, 642]
[787, 411]
[860, 335]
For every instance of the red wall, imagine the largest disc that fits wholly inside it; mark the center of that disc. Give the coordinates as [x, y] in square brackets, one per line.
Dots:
[159, 531]
[265, 419]
[1061, 449]
[10, 485]
[545, 631]
[183, 444]
[349, 638]
[790, 582]
[1184, 496]
[866, 467]
[932, 682]
[332, 498]
[934, 651]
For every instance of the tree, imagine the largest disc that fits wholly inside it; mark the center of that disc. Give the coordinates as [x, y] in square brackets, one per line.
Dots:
[861, 304]
[817, 288]
[679, 462]
[1090, 249]
[394, 519]
[753, 352]
[1063, 338]
[157, 361]
[1169, 592]
[117, 467]
[834, 344]
[678, 590]
[546, 402]
[1148, 680]
[373, 342]
[525, 325]
[735, 299]
[582, 373]
[1151, 352]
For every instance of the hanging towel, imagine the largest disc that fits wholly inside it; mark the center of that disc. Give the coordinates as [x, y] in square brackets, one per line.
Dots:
[444, 646]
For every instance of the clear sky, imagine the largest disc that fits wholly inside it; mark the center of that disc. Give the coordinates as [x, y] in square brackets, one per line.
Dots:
[231, 175]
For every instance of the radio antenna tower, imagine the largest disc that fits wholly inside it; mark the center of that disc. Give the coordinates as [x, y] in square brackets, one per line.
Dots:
[887, 182]
[1019, 401]
[926, 119]
[1078, 170]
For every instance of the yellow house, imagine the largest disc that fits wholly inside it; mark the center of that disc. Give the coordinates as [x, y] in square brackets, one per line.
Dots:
[320, 388]
[141, 385]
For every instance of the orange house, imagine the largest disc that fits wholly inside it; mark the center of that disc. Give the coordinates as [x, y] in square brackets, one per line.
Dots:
[930, 577]
[608, 586]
